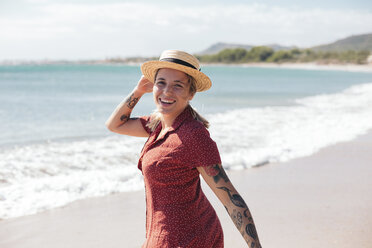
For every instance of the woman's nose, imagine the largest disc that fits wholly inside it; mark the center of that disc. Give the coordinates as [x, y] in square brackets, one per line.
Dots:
[168, 89]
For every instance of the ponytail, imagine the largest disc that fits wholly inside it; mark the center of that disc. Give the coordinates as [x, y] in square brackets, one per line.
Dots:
[198, 117]
[155, 119]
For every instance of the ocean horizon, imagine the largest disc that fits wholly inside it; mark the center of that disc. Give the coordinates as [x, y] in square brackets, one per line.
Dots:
[55, 148]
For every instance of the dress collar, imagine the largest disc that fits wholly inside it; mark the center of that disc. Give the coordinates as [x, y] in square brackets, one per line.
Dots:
[185, 115]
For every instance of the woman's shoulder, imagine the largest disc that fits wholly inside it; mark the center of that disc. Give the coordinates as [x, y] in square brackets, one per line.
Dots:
[199, 144]
[194, 131]
[145, 121]
[193, 125]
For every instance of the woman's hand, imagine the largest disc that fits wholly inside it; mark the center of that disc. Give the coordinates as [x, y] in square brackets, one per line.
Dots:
[144, 85]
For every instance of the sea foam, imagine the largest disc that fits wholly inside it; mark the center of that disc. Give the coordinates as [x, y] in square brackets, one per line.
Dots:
[255, 136]
[42, 176]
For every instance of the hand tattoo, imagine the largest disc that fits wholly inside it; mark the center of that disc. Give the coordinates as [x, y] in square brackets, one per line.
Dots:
[217, 172]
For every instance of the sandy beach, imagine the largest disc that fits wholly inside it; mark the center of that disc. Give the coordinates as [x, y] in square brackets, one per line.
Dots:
[317, 66]
[323, 200]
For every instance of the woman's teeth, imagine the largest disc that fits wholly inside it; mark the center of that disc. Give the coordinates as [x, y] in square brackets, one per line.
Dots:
[166, 101]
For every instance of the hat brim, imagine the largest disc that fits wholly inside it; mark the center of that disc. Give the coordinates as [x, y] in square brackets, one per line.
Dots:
[150, 68]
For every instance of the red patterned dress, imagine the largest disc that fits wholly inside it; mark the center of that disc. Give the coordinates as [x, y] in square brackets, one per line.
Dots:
[178, 214]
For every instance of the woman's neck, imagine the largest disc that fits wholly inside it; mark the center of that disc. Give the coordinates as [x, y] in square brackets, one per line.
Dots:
[168, 120]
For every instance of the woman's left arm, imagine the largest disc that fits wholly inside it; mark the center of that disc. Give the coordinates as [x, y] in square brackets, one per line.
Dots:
[215, 176]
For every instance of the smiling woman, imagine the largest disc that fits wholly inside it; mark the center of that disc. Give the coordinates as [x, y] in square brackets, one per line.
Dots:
[178, 150]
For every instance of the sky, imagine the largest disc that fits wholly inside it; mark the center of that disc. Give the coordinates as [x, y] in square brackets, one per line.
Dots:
[98, 29]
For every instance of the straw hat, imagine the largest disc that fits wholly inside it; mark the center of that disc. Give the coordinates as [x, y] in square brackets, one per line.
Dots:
[181, 61]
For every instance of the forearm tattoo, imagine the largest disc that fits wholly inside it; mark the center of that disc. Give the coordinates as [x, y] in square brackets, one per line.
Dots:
[132, 101]
[236, 199]
[237, 218]
[217, 172]
[249, 231]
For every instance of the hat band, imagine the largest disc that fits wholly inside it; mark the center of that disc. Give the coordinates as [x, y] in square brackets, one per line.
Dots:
[178, 61]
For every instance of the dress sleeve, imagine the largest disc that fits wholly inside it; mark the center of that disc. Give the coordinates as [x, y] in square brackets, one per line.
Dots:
[144, 120]
[202, 150]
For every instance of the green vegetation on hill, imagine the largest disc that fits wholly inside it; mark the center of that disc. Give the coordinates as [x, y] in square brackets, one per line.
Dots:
[218, 47]
[356, 43]
[267, 54]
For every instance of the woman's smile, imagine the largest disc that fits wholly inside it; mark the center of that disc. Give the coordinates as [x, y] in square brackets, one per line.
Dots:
[171, 92]
[166, 102]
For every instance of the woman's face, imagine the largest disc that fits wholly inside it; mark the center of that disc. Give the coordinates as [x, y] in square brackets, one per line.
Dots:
[171, 92]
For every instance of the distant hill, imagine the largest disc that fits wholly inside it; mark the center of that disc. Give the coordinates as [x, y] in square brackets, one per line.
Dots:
[355, 42]
[215, 48]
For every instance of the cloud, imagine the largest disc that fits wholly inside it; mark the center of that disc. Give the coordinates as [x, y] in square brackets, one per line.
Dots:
[134, 28]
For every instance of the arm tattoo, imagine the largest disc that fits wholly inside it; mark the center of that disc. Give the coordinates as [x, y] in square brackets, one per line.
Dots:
[211, 170]
[237, 218]
[124, 118]
[236, 199]
[132, 101]
[248, 232]
[217, 172]
[246, 215]
[251, 231]
[245, 223]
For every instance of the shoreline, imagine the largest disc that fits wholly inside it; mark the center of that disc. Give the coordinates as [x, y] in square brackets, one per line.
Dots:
[319, 199]
[303, 66]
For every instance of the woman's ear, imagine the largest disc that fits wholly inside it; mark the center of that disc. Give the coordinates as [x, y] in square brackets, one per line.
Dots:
[191, 96]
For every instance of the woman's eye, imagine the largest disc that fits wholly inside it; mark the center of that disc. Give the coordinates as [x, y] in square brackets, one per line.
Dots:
[179, 85]
[160, 82]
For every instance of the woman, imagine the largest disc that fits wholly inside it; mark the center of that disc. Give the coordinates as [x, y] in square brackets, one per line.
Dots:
[178, 149]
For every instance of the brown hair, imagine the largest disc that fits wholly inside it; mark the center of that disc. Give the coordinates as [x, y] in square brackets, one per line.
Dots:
[155, 117]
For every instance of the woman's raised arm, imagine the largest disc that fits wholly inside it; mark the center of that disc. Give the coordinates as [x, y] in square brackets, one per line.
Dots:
[215, 176]
[120, 121]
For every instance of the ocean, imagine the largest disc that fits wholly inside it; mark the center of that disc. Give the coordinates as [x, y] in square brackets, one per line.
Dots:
[55, 148]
